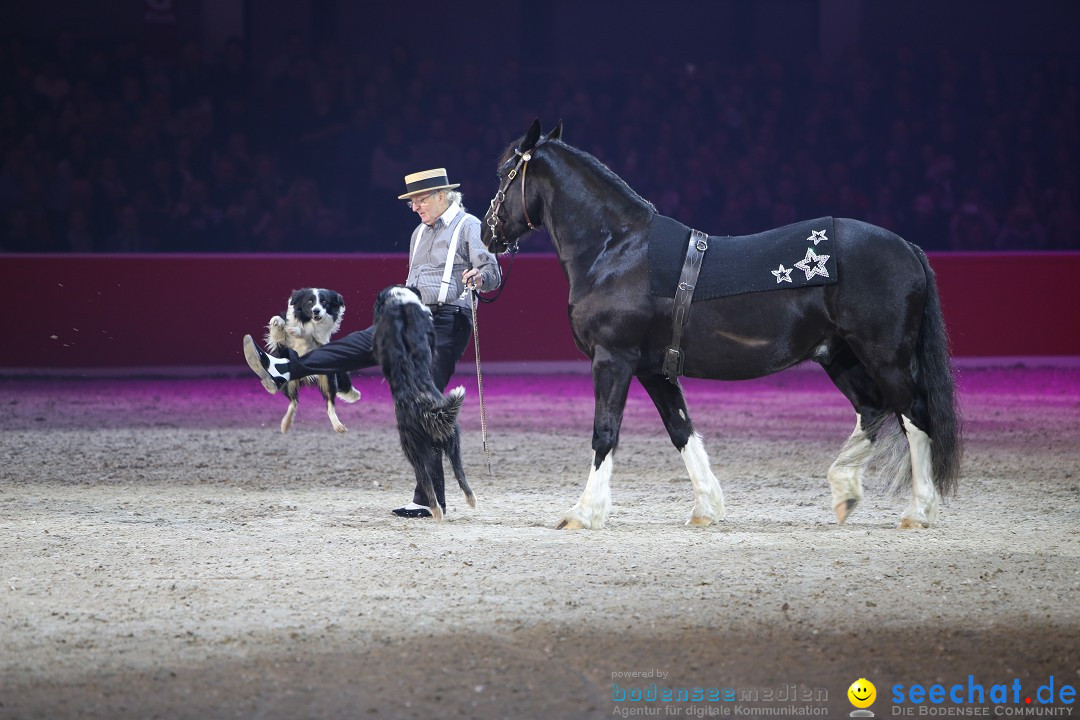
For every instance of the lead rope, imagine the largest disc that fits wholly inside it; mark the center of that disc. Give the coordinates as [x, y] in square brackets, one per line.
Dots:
[480, 385]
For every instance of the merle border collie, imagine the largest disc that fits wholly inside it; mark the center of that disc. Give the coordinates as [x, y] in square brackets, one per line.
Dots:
[426, 419]
[311, 317]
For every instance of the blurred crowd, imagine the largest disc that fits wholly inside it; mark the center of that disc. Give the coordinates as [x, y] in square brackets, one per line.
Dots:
[108, 148]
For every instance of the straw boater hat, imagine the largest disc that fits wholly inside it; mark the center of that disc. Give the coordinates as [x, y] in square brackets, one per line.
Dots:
[425, 182]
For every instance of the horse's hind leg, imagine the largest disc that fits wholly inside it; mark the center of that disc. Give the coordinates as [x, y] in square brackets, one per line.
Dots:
[670, 403]
[901, 394]
[846, 472]
[889, 387]
[611, 382]
[922, 510]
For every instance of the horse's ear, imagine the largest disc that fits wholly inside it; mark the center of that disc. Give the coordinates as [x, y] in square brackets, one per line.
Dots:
[531, 137]
[556, 132]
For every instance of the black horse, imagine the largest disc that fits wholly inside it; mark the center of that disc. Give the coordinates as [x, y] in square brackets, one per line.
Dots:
[877, 330]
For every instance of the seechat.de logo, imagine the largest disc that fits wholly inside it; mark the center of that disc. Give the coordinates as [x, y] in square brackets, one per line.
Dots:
[1004, 696]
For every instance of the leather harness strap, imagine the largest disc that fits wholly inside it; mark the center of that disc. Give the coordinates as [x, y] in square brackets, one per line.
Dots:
[684, 294]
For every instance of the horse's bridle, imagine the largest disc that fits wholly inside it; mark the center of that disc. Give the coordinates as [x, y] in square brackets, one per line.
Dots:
[493, 221]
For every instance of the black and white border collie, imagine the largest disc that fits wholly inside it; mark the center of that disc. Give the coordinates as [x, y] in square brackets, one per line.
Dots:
[312, 316]
[426, 419]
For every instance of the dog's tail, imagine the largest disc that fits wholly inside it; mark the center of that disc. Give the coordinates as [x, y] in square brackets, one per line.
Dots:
[441, 420]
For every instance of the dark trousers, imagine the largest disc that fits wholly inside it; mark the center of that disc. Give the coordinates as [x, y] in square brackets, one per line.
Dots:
[354, 351]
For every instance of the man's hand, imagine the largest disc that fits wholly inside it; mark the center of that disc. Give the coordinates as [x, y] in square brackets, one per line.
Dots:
[472, 278]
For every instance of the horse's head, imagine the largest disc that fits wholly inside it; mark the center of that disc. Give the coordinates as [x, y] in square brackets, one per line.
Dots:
[513, 212]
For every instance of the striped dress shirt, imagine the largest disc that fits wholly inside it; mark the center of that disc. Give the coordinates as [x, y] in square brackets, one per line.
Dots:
[427, 257]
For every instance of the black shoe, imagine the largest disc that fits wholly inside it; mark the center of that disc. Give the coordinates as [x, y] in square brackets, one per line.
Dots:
[261, 364]
[412, 510]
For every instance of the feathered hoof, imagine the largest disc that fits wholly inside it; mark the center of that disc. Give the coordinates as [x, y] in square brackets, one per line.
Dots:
[570, 523]
[919, 516]
[843, 510]
[707, 510]
[585, 517]
[578, 519]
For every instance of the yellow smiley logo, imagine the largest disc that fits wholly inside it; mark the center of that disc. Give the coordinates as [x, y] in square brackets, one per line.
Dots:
[862, 693]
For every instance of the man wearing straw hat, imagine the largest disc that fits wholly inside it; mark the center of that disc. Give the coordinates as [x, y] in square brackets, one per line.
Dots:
[446, 256]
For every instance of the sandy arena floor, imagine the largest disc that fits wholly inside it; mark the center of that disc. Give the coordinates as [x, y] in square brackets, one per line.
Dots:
[167, 553]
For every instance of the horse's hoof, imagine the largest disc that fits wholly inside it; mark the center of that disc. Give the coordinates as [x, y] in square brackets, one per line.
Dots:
[910, 523]
[844, 509]
[570, 524]
[707, 511]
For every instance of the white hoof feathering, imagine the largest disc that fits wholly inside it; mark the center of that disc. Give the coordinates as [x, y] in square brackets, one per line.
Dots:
[845, 474]
[595, 503]
[923, 508]
[708, 496]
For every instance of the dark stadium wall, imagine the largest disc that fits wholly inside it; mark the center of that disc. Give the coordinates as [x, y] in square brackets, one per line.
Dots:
[635, 32]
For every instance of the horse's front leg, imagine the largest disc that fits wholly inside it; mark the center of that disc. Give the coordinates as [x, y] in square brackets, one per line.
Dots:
[611, 382]
[670, 403]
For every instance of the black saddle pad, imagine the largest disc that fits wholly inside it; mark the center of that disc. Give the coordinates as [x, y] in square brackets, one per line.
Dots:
[797, 255]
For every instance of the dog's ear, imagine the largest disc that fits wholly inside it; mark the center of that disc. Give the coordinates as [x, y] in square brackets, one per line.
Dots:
[295, 297]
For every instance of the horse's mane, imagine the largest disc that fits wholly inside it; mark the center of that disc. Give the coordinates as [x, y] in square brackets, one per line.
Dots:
[593, 165]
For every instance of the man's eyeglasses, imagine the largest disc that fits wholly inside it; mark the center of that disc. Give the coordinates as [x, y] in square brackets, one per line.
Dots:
[418, 202]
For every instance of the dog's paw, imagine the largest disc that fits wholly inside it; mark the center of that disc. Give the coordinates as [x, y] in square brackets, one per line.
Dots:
[277, 321]
[295, 331]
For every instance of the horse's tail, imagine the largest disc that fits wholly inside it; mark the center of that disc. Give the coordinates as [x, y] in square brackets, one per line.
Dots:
[934, 374]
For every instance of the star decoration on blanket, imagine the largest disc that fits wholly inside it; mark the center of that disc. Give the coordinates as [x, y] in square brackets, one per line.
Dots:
[813, 264]
[817, 236]
[782, 274]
